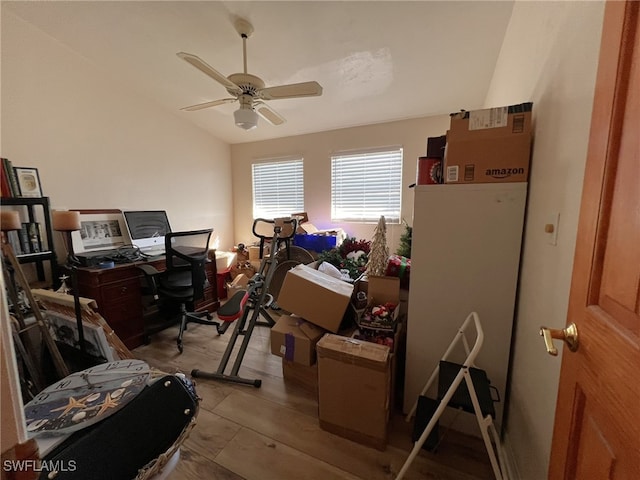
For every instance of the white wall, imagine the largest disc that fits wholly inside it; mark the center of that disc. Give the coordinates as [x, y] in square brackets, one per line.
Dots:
[98, 145]
[549, 57]
[316, 149]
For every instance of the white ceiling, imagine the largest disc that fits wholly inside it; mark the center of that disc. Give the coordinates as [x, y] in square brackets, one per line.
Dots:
[376, 61]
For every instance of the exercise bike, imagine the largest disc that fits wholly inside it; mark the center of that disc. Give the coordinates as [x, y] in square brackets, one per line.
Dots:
[245, 308]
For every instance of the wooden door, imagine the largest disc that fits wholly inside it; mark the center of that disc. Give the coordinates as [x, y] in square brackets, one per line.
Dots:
[597, 427]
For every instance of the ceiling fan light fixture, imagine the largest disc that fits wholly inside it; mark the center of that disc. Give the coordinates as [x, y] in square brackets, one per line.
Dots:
[247, 89]
[246, 118]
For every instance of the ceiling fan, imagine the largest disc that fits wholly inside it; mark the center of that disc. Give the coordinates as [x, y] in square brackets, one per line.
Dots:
[250, 91]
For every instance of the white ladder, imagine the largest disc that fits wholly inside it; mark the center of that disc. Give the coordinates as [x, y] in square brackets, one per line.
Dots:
[485, 422]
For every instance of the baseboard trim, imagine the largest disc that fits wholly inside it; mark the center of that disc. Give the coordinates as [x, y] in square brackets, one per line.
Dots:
[510, 459]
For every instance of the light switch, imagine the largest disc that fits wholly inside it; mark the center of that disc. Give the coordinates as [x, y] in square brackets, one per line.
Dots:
[551, 228]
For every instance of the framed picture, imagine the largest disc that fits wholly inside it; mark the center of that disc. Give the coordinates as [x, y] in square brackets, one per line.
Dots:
[64, 329]
[100, 230]
[28, 181]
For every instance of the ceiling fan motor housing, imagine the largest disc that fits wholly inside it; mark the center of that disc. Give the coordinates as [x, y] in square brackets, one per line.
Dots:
[250, 84]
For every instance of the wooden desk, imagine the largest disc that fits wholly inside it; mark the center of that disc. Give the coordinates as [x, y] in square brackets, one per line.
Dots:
[118, 292]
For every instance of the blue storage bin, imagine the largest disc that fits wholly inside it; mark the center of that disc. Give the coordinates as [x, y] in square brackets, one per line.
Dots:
[315, 243]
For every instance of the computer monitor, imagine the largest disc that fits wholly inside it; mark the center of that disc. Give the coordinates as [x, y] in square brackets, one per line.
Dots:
[147, 228]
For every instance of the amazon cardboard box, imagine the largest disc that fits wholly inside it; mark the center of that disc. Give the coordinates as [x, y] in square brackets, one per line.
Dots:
[295, 339]
[354, 386]
[489, 146]
[315, 296]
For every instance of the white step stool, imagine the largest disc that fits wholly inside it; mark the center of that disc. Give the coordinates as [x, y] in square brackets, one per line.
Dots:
[475, 398]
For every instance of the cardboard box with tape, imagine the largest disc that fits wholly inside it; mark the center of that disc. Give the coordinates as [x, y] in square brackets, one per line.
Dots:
[354, 386]
[295, 339]
[489, 146]
[315, 296]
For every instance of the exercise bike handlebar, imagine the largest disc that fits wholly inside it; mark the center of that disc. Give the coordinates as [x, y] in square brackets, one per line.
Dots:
[293, 222]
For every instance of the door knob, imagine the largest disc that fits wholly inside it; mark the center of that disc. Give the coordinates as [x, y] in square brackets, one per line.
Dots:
[569, 335]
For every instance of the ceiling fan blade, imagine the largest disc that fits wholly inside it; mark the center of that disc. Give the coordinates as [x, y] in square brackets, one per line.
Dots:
[214, 103]
[268, 113]
[293, 90]
[210, 71]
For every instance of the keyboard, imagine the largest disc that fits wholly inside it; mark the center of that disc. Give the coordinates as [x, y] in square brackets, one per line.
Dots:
[155, 252]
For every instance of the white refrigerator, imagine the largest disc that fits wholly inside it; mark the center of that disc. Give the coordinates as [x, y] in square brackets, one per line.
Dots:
[465, 257]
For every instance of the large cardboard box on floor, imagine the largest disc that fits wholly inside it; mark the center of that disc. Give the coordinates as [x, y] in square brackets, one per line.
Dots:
[489, 146]
[354, 379]
[315, 296]
[303, 376]
[295, 339]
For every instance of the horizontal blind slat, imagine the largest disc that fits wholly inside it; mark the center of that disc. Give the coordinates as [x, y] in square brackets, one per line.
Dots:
[366, 185]
[278, 188]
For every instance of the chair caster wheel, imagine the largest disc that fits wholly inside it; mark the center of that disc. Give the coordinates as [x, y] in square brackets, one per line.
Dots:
[180, 348]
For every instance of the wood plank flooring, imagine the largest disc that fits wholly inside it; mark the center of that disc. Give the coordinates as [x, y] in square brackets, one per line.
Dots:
[272, 432]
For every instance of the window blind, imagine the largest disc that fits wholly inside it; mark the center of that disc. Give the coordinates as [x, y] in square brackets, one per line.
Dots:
[366, 185]
[278, 189]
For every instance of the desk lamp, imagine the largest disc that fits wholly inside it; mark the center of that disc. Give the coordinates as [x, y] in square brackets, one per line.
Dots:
[66, 222]
[9, 221]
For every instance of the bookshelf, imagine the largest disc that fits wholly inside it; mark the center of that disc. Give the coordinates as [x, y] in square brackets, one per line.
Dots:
[29, 208]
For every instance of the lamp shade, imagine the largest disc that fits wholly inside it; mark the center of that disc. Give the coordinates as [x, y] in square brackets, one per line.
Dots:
[10, 220]
[65, 221]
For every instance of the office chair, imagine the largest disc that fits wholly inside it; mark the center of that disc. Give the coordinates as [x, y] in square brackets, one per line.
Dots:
[184, 279]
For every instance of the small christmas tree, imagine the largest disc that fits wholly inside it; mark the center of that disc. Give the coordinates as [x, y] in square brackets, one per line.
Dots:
[379, 255]
[404, 249]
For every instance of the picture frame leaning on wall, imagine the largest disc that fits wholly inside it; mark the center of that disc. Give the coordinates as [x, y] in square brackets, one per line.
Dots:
[28, 181]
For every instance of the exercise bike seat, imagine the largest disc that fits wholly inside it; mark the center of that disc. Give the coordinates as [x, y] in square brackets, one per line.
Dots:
[233, 308]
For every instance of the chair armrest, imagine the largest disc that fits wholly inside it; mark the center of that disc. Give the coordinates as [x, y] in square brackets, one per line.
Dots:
[151, 273]
[148, 270]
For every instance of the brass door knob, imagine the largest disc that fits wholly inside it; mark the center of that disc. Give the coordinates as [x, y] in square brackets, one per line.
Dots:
[569, 335]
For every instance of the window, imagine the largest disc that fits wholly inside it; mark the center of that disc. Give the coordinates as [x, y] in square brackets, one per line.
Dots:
[278, 189]
[366, 185]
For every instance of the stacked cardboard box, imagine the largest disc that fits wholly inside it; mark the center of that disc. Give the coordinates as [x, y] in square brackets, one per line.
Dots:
[315, 296]
[239, 284]
[294, 339]
[303, 376]
[353, 377]
[489, 146]
[317, 303]
[354, 385]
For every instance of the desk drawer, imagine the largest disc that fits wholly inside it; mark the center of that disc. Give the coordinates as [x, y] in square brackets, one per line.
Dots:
[121, 291]
[126, 320]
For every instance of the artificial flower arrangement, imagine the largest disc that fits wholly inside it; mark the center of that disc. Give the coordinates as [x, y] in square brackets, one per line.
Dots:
[351, 255]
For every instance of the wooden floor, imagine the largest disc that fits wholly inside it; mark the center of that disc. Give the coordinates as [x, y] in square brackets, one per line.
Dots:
[272, 432]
